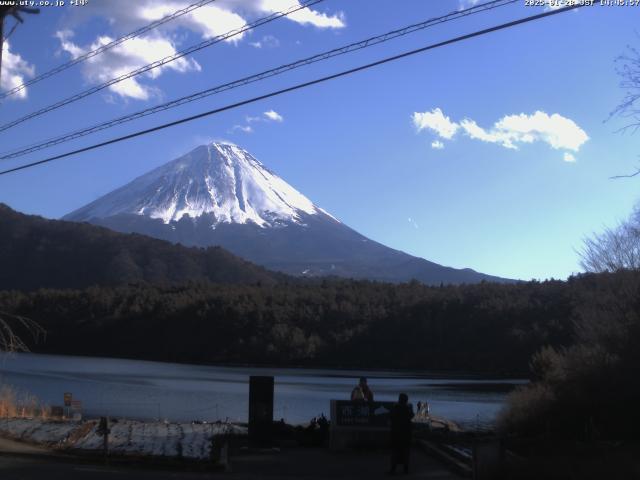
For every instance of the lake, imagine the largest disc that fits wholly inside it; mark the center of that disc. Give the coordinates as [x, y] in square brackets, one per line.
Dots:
[180, 392]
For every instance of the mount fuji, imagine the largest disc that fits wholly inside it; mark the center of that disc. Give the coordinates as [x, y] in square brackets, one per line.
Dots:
[219, 194]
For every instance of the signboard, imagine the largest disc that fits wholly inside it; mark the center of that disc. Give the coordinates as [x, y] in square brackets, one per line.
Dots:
[260, 410]
[76, 409]
[346, 413]
[359, 424]
[67, 399]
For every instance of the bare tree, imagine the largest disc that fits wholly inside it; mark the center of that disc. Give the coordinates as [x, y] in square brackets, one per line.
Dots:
[628, 69]
[12, 342]
[615, 249]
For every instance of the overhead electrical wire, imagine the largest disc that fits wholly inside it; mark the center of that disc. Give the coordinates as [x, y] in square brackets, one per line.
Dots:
[105, 47]
[299, 86]
[161, 62]
[15, 153]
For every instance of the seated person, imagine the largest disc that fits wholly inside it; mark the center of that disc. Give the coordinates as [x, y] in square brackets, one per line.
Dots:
[362, 392]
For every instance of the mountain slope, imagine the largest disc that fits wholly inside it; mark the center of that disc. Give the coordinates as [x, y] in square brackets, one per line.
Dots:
[219, 194]
[39, 253]
[220, 180]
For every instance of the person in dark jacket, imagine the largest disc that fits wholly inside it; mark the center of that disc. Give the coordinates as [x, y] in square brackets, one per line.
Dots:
[362, 392]
[401, 416]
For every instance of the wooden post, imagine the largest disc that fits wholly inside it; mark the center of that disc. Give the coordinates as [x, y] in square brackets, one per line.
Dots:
[3, 13]
[15, 11]
[103, 429]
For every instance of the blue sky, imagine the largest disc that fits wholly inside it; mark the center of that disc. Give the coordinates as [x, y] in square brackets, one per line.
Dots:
[458, 155]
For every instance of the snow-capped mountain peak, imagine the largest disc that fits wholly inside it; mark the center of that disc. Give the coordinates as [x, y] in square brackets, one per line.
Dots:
[220, 195]
[220, 179]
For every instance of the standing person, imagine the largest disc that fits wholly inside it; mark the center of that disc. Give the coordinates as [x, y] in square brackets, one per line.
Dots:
[401, 416]
[362, 392]
[423, 410]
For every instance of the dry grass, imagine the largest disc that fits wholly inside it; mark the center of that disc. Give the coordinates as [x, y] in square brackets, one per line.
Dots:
[14, 403]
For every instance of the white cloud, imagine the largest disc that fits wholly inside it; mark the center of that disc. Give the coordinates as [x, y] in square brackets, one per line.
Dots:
[435, 120]
[126, 57]
[273, 116]
[413, 223]
[463, 4]
[267, 41]
[559, 132]
[242, 128]
[68, 46]
[304, 16]
[437, 144]
[207, 22]
[15, 71]
[266, 117]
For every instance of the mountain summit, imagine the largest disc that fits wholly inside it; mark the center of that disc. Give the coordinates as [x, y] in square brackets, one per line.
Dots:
[219, 194]
[219, 179]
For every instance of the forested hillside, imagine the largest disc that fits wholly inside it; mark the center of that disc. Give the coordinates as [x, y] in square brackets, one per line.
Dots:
[474, 328]
[39, 253]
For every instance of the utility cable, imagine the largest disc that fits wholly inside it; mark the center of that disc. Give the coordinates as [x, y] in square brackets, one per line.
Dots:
[20, 151]
[300, 86]
[105, 47]
[160, 63]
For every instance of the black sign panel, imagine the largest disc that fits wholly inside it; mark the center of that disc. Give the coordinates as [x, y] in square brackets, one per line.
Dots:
[260, 410]
[362, 414]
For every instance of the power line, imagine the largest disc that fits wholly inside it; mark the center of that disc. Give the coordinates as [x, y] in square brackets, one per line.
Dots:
[15, 153]
[161, 62]
[300, 86]
[106, 46]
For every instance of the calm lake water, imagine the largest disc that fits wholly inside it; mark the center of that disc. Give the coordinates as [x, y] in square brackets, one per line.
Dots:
[141, 389]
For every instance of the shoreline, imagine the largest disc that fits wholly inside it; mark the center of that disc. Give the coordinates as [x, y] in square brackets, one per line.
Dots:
[413, 373]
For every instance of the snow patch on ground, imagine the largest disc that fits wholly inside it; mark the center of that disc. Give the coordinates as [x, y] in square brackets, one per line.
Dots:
[37, 430]
[127, 437]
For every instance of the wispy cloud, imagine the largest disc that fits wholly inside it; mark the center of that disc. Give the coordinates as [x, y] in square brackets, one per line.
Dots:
[304, 16]
[15, 70]
[241, 128]
[437, 145]
[269, 116]
[267, 41]
[511, 131]
[462, 4]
